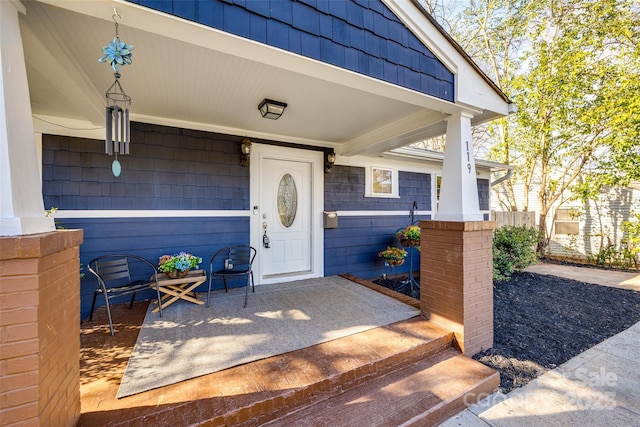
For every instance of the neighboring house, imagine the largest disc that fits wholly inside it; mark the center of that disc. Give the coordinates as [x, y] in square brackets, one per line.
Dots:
[581, 230]
[361, 80]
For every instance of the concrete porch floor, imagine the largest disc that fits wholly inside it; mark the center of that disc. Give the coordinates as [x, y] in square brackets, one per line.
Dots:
[268, 390]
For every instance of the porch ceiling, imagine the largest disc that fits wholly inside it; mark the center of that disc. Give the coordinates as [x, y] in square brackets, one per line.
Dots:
[185, 74]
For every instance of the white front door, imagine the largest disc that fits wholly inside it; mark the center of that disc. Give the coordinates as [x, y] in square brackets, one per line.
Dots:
[286, 224]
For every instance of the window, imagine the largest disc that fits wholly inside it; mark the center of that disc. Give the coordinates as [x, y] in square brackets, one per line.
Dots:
[438, 185]
[287, 200]
[567, 221]
[381, 182]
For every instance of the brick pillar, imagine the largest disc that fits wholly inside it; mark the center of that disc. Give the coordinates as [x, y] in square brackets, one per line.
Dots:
[40, 329]
[456, 280]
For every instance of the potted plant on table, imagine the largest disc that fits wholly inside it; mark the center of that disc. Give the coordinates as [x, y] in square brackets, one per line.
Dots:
[410, 236]
[393, 256]
[178, 265]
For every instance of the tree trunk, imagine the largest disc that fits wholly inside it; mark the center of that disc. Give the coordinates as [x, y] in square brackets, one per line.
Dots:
[544, 241]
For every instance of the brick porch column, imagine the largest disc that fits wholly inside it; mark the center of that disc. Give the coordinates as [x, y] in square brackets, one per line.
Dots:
[40, 329]
[456, 281]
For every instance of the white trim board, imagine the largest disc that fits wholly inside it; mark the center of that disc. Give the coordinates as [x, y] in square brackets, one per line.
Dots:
[149, 213]
[206, 213]
[381, 213]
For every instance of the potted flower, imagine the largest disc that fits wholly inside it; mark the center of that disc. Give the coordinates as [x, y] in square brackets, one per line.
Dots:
[178, 265]
[393, 256]
[409, 236]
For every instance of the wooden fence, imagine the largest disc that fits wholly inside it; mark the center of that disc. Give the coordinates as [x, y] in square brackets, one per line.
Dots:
[516, 219]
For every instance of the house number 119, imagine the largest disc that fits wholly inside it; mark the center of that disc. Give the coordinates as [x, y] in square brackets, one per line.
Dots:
[468, 158]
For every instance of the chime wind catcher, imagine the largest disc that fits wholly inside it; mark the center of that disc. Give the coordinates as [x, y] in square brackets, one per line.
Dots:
[118, 131]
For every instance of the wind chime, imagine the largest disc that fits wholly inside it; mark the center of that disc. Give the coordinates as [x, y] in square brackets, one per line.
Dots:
[117, 53]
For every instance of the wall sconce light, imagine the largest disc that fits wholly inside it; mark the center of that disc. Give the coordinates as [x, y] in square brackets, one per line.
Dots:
[329, 160]
[246, 152]
[271, 109]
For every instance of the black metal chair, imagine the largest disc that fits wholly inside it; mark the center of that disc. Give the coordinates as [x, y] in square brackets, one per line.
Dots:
[114, 272]
[236, 261]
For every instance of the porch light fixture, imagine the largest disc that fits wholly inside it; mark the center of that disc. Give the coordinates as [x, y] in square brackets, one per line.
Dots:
[271, 109]
[329, 160]
[246, 152]
[117, 53]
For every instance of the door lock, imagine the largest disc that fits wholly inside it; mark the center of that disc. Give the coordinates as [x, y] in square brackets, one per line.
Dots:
[265, 238]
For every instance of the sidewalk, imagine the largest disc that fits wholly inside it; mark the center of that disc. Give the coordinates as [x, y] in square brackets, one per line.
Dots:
[599, 276]
[600, 386]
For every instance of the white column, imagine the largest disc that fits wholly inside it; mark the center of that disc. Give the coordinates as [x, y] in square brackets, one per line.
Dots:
[21, 206]
[459, 188]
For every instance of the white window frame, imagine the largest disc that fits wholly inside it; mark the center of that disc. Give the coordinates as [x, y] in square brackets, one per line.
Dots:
[568, 216]
[436, 190]
[369, 182]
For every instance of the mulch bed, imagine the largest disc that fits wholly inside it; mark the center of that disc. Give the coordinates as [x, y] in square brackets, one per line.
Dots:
[399, 285]
[542, 321]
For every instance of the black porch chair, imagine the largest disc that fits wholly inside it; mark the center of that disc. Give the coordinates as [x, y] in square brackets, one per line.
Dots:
[236, 261]
[114, 272]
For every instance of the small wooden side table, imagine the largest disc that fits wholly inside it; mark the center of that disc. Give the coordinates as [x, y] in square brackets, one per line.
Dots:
[182, 288]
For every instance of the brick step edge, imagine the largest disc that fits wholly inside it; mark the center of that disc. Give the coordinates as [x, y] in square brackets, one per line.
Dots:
[280, 404]
[424, 393]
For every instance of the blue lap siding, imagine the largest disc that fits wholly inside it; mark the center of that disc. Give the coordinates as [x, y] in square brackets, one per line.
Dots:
[353, 247]
[363, 36]
[151, 238]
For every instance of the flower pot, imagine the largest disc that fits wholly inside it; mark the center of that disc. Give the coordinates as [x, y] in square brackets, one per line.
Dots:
[394, 262]
[410, 242]
[177, 274]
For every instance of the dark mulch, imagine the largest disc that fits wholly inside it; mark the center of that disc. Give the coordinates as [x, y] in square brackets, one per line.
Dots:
[399, 285]
[542, 321]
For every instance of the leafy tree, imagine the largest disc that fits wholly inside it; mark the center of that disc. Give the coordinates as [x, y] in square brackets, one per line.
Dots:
[573, 69]
[572, 118]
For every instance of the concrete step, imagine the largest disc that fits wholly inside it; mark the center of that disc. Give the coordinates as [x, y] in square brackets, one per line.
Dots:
[329, 369]
[423, 393]
[272, 389]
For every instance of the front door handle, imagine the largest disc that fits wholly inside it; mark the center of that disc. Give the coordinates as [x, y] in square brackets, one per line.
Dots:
[265, 238]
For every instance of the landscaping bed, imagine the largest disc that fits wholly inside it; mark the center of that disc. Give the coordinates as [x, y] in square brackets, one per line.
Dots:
[542, 321]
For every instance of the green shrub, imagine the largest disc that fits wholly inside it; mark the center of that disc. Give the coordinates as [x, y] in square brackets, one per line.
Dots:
[514, 249]
[632, 241]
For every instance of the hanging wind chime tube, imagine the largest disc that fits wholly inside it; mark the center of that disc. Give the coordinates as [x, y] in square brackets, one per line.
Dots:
[117, 124]
[118, 130]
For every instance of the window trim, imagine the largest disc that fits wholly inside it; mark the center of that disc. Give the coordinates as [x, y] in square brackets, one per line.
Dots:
[568, 220]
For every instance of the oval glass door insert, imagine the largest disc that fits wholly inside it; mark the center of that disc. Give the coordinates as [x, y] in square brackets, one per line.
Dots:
[287, 200]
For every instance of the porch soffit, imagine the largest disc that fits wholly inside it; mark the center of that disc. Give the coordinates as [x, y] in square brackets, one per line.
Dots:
[185, 74]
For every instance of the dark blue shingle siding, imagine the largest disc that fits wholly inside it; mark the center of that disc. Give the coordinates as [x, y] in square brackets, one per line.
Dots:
[168, 168]
[171, 168]
[165, 170]
[393, 53]
[345, 189]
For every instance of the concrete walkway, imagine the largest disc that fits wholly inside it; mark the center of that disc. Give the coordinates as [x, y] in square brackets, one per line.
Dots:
[599, 387]
[599, 276]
